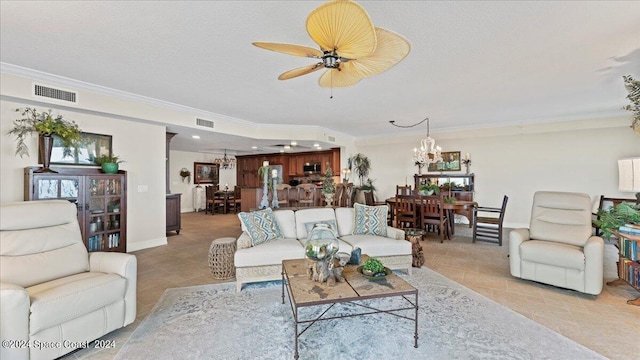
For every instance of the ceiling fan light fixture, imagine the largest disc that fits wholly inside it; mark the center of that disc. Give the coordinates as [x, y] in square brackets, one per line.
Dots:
[351, 48]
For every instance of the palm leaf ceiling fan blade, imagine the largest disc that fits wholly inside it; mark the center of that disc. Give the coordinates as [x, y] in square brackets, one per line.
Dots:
[346, 76]
[300, 71]
[295, 50]
[391, 49]
[343, 26]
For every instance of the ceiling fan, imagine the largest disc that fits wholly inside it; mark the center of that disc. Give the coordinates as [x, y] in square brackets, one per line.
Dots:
[351, 48]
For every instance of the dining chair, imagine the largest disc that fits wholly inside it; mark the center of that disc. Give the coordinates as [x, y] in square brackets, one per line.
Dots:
[234, 200]
[338, 195]
[405, 212]
[213, 201]
[431, 215]
[404, 190]
[306, 195]
[488, 226]
[283, 194]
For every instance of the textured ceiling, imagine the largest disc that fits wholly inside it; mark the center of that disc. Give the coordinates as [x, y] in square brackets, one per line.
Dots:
[472, 64]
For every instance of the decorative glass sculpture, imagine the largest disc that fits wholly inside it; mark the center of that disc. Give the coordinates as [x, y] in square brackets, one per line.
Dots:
[322, 243]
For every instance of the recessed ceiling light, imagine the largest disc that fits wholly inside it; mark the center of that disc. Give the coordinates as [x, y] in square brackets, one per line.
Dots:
[254, 147]
[287, 147]
[281, 150]
[319, 147]
[316, 145]
[195, 136]
[293, 143]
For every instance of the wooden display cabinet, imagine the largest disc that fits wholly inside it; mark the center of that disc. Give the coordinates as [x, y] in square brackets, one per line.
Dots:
[625, 262]
[99, 197]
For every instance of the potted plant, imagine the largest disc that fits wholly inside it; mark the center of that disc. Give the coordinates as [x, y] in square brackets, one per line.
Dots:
[328, 187]
[615, 217]
[108, 163]
[429, 189]
[361, 165]
[45, 125]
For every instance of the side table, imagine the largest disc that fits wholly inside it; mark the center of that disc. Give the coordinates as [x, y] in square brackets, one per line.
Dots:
[414, 235]
[221, 254]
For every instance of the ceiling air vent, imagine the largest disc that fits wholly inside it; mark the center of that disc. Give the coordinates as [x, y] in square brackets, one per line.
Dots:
[53, 93]
[205, 123]
[331, 138]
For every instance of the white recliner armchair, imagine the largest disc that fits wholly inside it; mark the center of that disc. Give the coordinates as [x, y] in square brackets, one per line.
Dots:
[558, 248]
[54, 296]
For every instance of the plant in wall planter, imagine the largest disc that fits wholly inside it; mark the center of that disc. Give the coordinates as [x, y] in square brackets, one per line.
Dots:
[108, 163]
[45, 125]
[185, 173]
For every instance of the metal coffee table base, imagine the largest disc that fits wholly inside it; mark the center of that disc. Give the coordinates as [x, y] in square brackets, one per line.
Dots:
[342, 293]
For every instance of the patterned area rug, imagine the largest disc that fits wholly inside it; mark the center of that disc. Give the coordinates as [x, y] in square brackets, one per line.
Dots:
[215, 322]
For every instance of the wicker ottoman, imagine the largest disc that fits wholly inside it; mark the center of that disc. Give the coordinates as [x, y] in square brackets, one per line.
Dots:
[221, 258]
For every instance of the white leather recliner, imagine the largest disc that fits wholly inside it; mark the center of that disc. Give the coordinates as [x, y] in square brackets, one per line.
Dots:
[54, 296]
[558, 248]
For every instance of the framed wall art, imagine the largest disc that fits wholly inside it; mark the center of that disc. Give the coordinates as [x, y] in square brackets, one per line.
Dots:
[450, 162]
[205, 173]
[90, 146]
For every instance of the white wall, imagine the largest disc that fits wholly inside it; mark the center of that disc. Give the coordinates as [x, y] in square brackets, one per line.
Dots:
[144, 163]
[579, 156]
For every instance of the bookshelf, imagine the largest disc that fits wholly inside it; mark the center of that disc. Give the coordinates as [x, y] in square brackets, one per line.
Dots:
[628, 263]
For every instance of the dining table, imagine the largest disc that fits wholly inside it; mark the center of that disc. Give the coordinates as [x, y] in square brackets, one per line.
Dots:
[450, 207]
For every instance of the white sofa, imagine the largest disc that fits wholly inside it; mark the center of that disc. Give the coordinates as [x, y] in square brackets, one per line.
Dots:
[54, 294]
[263, 262]
[558, 248]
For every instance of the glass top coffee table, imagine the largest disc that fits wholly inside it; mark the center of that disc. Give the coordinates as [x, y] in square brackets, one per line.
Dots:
[303, 292]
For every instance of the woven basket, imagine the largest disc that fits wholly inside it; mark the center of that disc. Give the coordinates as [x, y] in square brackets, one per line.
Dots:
[221, 254]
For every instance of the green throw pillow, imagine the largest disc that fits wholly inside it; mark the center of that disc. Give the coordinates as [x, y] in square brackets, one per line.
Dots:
[370, 220]
[261, 226]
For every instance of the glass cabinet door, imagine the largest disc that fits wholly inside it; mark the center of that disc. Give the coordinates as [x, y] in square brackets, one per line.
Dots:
[104, 222]
[57, 187]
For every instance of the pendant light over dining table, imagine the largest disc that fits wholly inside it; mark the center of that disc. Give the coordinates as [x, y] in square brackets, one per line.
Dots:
[351, 47]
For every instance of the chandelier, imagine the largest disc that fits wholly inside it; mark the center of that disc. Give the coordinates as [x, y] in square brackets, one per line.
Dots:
[428, 153]
[226, 162]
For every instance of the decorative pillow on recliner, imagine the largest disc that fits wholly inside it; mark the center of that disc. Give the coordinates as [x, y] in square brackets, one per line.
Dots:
[370, 220]
[261, 226]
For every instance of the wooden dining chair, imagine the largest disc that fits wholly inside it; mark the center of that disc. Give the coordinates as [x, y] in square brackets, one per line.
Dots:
[488, 226]
[283, 194]
[214, 202]
[234, 200]
[432, 215]
[405, 214]
[404, 190]
[306, 195]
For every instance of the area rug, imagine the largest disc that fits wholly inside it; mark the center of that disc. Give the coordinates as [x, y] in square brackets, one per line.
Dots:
[215, 322]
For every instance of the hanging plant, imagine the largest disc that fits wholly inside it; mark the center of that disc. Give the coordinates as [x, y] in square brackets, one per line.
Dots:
[185, 173]
[633, 87]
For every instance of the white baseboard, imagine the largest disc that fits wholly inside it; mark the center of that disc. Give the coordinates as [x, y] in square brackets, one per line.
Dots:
[135, 246]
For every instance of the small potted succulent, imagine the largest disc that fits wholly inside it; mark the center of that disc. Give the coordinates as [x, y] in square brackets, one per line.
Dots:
[374, 269]
[108, 163]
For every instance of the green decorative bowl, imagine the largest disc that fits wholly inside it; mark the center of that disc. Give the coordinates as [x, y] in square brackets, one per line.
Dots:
[110, 168]
[374, 277]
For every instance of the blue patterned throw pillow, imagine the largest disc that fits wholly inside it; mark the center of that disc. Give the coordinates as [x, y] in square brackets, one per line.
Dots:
[370, 220]
[261, 226]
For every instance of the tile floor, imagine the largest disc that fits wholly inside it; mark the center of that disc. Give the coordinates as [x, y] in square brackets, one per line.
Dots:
[605, 324]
